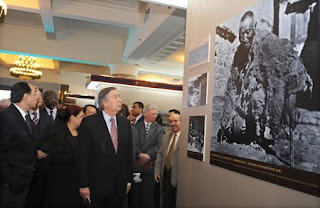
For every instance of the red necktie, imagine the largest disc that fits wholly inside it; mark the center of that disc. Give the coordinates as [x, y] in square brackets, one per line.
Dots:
[114, 134]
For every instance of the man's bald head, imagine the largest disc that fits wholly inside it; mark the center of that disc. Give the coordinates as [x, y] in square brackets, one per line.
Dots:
[247, 29]
[50, 99]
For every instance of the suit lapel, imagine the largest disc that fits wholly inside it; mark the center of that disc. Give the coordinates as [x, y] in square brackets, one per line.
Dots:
[20, 119]
[152, 129]
[121, 134]
[167, 142]
[143, 133]
[102, 125]
[177, 145]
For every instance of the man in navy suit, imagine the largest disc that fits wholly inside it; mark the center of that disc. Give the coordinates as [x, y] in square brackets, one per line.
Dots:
[137, 111]
[18, 148]
[42, 129]
[105, 153]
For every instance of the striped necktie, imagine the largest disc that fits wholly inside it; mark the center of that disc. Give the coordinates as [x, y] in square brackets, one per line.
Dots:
[147, 126]
[35, 118]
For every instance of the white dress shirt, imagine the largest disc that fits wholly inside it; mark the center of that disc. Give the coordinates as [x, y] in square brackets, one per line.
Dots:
[107, 120]
[54, 112]
[31, 114]
[23, 113]
[177, 138]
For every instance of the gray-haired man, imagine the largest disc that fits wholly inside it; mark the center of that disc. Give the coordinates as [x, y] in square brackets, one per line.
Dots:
[105, 153]
[147, 137]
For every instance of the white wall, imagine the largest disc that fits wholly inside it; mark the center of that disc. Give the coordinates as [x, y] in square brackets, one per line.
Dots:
[201, 184]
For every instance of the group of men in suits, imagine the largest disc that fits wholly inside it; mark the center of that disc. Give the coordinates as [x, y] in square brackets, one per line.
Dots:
[45, 120]
[110, 150]
[42, 128]
[24, 130]
[152, 150]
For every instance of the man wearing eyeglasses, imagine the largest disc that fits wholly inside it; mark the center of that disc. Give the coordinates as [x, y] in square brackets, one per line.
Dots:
[147, 139]
[42, 129]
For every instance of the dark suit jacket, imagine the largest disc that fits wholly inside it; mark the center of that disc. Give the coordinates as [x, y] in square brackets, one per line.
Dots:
[99, 167]
[147, 143]
[57, 122]
[37, 190]
[141, 119]
[42, 130]
[18, 150]
[62, 189]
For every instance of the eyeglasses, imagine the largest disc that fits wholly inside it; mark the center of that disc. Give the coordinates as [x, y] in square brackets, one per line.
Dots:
[33, 93]
[154, 114]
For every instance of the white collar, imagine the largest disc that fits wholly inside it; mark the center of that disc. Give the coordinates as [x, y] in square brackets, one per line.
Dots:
[145, 123]
[107, 117]
[138, 117]
[22, 112]
[37, 111]
[178, 133]
[54, 111]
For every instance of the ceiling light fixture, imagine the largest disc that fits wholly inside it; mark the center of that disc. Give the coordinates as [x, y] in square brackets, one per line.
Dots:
[3, 10]
[26, 68]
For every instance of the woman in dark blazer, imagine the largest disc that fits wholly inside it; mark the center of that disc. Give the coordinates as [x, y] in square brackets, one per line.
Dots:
[62, 190]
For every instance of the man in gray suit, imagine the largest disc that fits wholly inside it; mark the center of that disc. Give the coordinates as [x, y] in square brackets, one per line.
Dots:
[166, 166]
[147, 137]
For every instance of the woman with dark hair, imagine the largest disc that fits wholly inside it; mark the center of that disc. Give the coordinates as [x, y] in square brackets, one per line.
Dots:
[124, 112]
[62, 190]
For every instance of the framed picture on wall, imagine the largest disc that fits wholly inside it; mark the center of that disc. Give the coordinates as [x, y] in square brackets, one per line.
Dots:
[197, 91]
[265, 109]
[196, 137]
[199, 52]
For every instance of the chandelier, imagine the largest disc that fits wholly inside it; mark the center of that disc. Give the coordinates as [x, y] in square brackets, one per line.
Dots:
[26, 68]
[3, 10]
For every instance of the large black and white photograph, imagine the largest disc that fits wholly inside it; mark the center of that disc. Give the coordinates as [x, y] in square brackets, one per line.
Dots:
[197, 92]
[266, 100]
[196, 137]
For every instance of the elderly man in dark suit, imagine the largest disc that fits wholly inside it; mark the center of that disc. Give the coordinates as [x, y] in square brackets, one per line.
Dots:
[42, 128]
[166, 167]
[105, 153]
[147, 137]
[18, 148]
